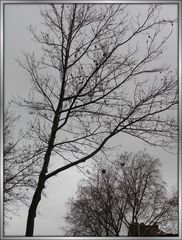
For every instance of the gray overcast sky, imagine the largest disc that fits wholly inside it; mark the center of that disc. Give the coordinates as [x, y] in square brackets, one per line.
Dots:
[18, 39]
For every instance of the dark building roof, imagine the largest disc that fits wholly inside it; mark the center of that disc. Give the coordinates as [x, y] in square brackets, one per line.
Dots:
[141, 229]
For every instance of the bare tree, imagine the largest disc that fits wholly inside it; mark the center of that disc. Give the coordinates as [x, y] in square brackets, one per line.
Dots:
[19, 165]
[98, 209]
[147, 196]
[113, 198]
[87, 68]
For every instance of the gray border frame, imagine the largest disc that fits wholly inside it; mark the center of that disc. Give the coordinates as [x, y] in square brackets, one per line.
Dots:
[179, 3]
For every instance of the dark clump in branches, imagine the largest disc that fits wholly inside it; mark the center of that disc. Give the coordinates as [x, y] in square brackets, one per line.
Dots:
[89, 84]
[109, 204]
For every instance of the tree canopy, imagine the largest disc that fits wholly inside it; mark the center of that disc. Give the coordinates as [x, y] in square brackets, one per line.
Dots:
[131, 191]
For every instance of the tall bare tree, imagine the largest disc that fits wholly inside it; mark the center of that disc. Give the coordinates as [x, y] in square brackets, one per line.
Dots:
[113, 198]
[92, 82]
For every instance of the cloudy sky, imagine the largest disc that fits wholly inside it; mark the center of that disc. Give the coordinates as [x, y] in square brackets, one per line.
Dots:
[17, 38]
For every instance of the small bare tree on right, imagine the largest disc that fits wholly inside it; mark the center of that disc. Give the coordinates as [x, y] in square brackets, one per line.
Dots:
[116, 196]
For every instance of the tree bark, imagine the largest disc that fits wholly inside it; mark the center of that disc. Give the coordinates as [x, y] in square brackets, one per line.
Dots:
[41, 182]
[33, 207]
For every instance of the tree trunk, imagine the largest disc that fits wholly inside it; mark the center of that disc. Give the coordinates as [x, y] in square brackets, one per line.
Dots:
[33, 207]
[42, 178]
